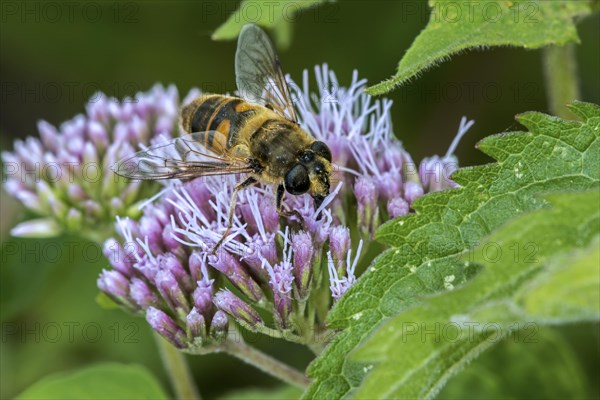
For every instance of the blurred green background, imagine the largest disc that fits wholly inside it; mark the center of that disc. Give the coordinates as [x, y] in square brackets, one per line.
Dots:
[51, 63]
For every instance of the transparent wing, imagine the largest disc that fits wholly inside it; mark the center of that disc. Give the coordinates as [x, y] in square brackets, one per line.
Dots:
[181, 158]
[258, 73]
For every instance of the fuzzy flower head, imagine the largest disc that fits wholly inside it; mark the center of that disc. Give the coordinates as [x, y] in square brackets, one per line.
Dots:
[164, 266]
[281, 279]
[270, 269]
[64, 175]
[379, 175]
[341, 278]
[435, 172]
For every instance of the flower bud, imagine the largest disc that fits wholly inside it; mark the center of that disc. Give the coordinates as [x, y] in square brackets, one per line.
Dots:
[114, 284]
[171, 292]
[151, 229]
[12, 186]
[31, 201]
[58, 208]
[146, 267]
[282, 305]
[97, 134]
[165, 326]
[196, 326]
[76, 146]
[365, 191]
[138, 129]
[73, 220]
[435, 172]
[37, 228]
[280, 282]
[219, 326]
[233, 270]
[45, 193]
[172, 264]
[397, 207]
[203, 296]
[141, 294]
[412, 191]
[49, 135]
[303, 251]
[90, 160]
[366, 196]
[252, 256]
[92, 209]
[389, 184]
[339, 242]
[75, 193]
[97, 108]
[266, 248]
[117, 257]
[238, 309]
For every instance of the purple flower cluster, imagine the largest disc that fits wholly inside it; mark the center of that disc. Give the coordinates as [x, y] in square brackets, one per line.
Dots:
[64, 175]
[270, 275]
[165, 266]
[161, 278]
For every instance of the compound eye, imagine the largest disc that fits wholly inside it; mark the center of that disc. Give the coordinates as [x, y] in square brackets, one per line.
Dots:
[321, 149]
[297, 181]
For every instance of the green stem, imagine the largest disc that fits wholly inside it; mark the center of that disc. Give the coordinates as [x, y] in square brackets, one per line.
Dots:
[277, 334]
[311, 315]
[560, 72]
[177, 369]
[319, 341]
[238, 348]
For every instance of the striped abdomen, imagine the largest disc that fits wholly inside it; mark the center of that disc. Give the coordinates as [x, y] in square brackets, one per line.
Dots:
[218, 119]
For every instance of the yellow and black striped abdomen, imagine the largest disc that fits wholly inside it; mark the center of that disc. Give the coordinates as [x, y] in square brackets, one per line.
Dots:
[220, 119]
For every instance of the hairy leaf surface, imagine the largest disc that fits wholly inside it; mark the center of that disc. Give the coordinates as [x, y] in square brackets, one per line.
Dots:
[426, 247]
[554, 281]
[456, 26]
[276, 15]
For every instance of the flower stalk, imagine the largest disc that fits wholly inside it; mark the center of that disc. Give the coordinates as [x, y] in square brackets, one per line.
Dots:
[560, 73]
[238, 348]
[178, 370]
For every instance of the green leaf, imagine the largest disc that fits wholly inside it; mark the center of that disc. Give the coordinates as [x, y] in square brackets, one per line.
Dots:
[282, 393]
[101, 381]
[554, 155]
[521, 367]
[420, 349]
[567, 290]
[276, 15]
[456, 26]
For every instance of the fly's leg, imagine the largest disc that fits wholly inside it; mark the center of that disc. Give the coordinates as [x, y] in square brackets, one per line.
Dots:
[279, 205]
[248, 182]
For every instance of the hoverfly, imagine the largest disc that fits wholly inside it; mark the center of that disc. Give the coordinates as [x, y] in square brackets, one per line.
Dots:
[256, 134]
